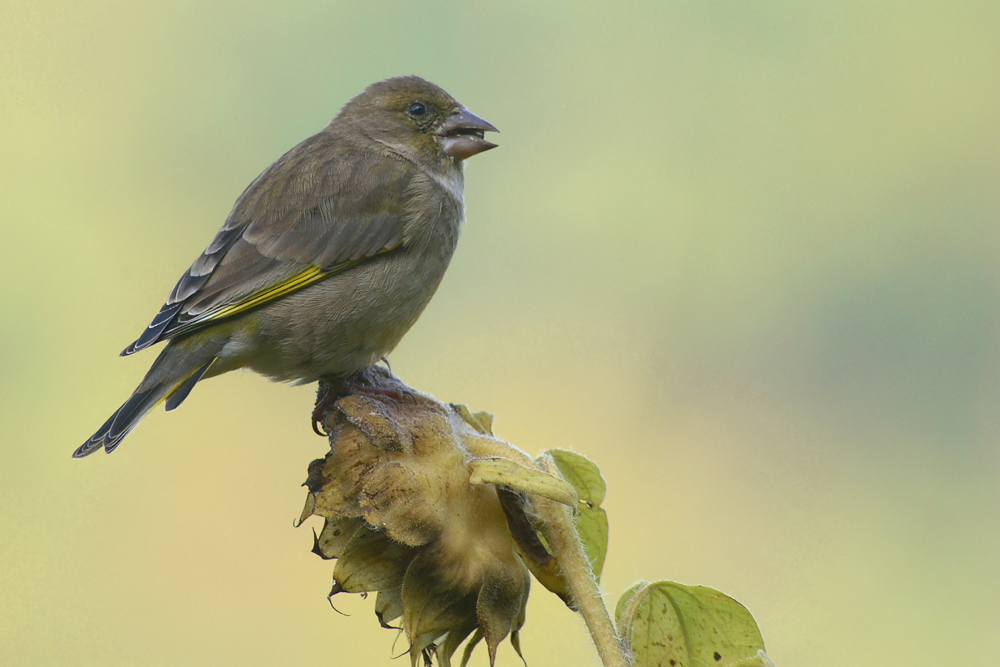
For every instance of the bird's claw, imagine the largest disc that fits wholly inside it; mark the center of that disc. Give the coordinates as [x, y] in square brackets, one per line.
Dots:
[316, 421]
[319, 412]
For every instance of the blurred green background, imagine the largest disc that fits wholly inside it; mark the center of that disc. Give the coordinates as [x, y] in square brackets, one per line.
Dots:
[745, 255]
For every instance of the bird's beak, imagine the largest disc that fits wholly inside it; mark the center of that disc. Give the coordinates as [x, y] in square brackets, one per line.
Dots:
[462, 135]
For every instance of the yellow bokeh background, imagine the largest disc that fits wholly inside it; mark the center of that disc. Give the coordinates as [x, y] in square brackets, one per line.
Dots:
[745, 255]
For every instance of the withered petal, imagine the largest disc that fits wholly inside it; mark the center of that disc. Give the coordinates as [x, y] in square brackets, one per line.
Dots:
[395, 498]
[371, 417]
[476, 638]
[372, 561]
[344, 471]
[430, 606]
[388, 607]
[480, 421]
[452, 641]
[334, 537]
[515, 642]
[307, 510]
[501, 600]
[420, 648]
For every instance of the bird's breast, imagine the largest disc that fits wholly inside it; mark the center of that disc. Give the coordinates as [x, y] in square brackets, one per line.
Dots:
[347, 322]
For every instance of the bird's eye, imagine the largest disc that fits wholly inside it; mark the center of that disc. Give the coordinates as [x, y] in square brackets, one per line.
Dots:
[416, 109]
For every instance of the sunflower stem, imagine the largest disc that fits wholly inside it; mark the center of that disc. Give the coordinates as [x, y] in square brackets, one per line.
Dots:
[564, 542]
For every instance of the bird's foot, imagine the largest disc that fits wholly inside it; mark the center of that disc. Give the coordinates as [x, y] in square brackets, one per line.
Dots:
[336, 388]
[395, 394]
[375, 383]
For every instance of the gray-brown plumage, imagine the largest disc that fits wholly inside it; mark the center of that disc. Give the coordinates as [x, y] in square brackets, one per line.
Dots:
[326, 259]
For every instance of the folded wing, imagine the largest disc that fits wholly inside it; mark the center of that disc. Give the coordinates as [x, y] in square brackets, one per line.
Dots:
[312, 214]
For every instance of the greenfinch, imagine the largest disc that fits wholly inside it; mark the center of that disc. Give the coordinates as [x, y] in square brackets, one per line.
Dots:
[327, 258]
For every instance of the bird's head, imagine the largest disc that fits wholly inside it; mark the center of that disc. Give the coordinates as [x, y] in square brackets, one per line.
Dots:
[418, 119]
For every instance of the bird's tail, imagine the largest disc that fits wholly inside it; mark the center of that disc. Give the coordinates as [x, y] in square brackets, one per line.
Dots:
[171, 378]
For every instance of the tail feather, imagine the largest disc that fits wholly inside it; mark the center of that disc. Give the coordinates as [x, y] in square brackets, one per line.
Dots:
[96, 441]
[167, 380]
[181, 391]
[121, 422]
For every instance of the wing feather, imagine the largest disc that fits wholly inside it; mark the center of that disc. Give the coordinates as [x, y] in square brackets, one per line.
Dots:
[313, 213]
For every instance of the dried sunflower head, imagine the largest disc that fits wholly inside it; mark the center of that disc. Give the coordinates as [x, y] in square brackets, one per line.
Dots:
[425, 507]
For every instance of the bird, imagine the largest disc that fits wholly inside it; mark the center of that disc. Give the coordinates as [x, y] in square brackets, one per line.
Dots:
[327, 258]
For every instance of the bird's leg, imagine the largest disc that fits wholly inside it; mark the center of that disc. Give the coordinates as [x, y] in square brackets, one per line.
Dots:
[374, 383]
[335, 388]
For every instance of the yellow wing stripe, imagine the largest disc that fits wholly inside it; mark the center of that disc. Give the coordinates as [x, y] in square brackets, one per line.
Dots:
[307, 276]
[298, 281]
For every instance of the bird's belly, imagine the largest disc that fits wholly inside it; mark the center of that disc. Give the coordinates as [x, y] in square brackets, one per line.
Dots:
[342, 324]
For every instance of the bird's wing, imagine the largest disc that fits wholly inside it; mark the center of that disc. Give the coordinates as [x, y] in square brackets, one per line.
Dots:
[308, 216]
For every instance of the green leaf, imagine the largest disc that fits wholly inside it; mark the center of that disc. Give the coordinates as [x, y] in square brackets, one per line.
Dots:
[591, 520]
[621, 609]
[582, 473]
[667, 623]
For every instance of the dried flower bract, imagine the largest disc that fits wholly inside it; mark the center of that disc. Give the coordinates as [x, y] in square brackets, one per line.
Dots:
[425, 507]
